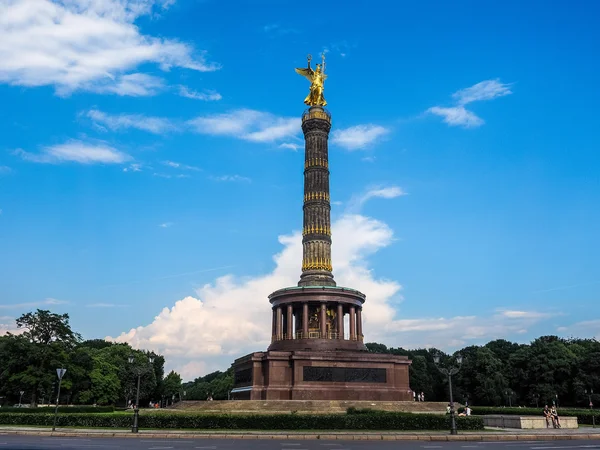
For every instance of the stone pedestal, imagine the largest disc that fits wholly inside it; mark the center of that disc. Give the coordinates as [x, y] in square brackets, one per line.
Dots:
[330, 375]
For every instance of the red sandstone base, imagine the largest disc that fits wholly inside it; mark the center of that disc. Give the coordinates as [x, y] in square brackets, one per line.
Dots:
[309, 375]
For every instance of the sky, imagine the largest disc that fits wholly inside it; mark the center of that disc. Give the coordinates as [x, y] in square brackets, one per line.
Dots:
[151, 168]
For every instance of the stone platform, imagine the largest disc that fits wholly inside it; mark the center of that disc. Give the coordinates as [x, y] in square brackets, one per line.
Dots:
[321, 375]
[526, 422]
[304, 406]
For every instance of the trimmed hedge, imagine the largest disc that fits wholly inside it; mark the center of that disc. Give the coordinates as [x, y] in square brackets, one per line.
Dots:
[61, 410]
[373, 421]
[584, 416]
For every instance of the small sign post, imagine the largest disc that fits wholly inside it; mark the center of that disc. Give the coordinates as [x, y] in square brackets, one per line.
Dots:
[60, 373]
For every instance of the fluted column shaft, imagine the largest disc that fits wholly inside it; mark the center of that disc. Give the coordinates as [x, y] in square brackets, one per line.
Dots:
[323, 321]
[359, 323]
[279, 324]
[340, 320]
[316, 231]
[305, 320]
[352, 323]
[290, 323]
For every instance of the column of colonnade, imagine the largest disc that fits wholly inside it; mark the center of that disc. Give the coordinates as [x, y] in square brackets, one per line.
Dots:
[289, 323]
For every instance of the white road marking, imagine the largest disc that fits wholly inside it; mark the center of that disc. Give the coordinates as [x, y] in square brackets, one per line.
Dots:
[158, 448]
[66, 439]
[431, 446]
[213, 447]
[288, 444]
[565, 446]
[94, 445]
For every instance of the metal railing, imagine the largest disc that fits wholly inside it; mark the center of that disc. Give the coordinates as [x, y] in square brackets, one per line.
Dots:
[316, 114]
[314, 335]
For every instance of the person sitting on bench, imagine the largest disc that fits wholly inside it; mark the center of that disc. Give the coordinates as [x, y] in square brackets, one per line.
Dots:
[555, 419]
[548, 415]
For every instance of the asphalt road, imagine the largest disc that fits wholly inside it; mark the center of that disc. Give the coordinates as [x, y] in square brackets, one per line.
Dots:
[41, 442]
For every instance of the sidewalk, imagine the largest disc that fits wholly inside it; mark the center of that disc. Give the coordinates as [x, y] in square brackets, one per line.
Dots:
[490, 434]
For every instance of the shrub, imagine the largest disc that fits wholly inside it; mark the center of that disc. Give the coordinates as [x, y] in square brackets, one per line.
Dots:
[61, 410]
[378, 421]
[584, 416]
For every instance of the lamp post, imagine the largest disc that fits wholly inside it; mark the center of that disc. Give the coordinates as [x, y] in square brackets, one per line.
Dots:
[509, 394]
[21, 397]
[537, 400]
[136, 410]
[449, 371]
[589, 394]
[60, 373]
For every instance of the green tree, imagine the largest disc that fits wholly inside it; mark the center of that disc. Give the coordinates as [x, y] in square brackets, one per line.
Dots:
[48, 338]
[172, 384]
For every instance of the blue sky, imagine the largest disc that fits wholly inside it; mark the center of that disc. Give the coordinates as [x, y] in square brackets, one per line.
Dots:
[151, 158]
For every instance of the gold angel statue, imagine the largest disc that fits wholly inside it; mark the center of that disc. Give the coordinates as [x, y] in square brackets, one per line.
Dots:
[317, 78]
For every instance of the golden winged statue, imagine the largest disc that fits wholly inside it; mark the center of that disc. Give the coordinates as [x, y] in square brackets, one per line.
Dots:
[317, 78]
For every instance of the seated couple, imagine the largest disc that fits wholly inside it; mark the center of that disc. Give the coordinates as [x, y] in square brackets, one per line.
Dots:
[551, 415]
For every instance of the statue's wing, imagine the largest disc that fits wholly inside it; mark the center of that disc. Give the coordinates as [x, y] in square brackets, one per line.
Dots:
[306, 72]
[324, 76]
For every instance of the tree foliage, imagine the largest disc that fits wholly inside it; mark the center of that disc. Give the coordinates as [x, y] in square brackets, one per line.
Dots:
[501, 373]
[98, 371]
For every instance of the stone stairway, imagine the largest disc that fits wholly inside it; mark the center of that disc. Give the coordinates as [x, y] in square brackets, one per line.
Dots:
[304, 406]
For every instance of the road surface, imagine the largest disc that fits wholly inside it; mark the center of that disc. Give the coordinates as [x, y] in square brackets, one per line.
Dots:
[17, 442]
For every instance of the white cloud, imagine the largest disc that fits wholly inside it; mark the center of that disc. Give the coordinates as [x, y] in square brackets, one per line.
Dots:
[290, 146]
[586, 328]
[207, 95]
[176, 165]
[87, 45]
[135, 167]
[157, 125]
[5, 170]
[78, 152]
[357, 201]
[247, 124]
[8, 325]
[232, 316]
[232, 178]
[457, 116]
[105, 305]
[484, 90]
[166, 225]
[46, 302]
[516, 314]
[134, 85]
[359, 136]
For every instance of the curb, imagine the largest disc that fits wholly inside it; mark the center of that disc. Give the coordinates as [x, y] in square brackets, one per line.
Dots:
[305, 436]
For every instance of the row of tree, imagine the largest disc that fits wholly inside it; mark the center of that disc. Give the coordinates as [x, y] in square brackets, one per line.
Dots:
[500, 373]
[503, 373]
[550, 369]
[98, 372]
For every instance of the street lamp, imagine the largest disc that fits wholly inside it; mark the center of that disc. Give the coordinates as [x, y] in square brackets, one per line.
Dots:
[537, 400]
[449, 371]
[21, 397]
[509, 394]
[60, 373]
[589, 394]
[136, 410]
